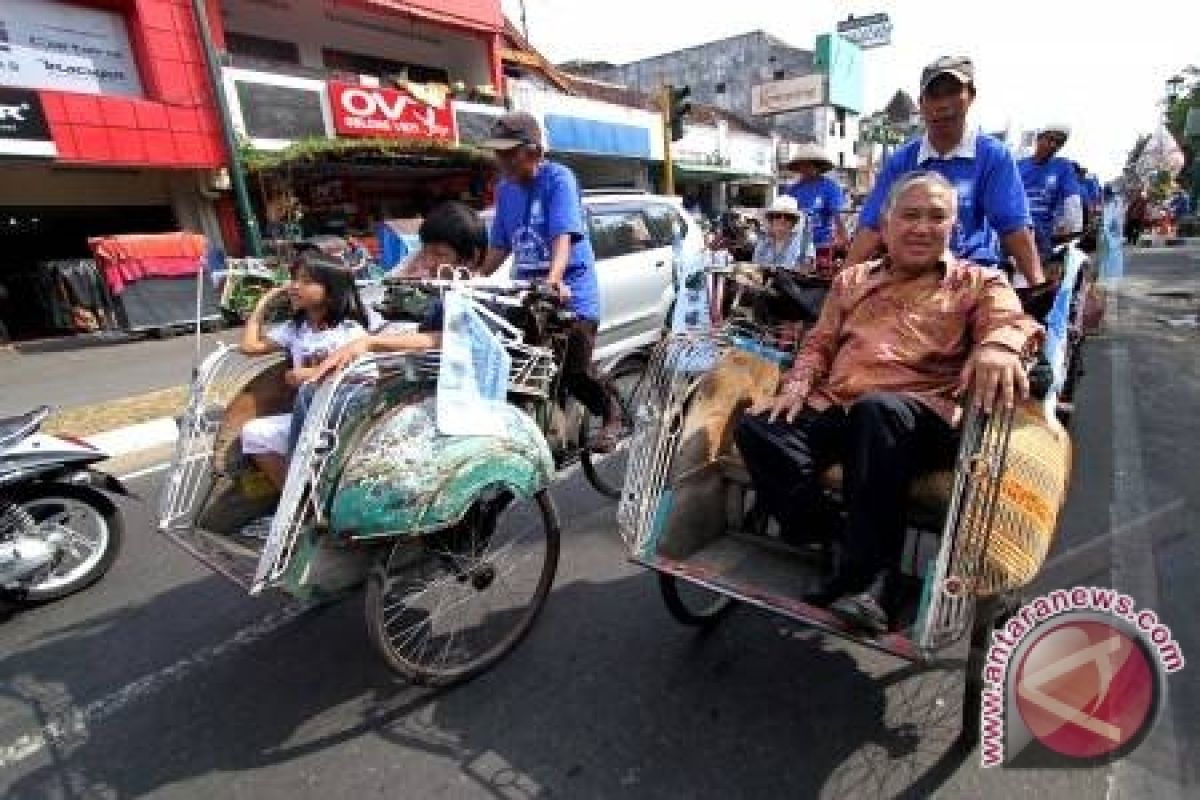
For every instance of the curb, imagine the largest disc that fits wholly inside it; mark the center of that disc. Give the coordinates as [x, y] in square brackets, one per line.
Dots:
[1169, 241]
[131, 439]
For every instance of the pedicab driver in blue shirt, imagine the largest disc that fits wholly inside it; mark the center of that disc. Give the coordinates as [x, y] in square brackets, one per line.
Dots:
[1052, 187]
[993, 212]
[818, 195]
[540, 221]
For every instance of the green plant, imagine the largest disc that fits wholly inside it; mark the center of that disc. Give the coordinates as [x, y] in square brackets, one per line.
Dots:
[401, 150]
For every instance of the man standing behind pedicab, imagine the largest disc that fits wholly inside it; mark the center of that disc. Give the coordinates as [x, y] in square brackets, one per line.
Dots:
[993, 213]
[875, 388]
[1051, 184]
[818, 196]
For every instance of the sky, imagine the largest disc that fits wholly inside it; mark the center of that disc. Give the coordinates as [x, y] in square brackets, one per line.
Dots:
[1099, 67]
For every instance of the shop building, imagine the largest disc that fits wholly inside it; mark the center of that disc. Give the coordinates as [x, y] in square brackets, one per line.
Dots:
[350, 108]
[107, 126]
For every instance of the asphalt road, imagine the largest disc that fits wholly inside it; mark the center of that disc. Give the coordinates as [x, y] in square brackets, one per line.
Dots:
[85, 370]
[165, 681]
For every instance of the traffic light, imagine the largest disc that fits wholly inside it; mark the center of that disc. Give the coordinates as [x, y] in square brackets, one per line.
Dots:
[678, 107]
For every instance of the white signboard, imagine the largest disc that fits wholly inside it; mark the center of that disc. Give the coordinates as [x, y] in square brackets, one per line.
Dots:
[788, 95]
[867, 32]
[50, 45]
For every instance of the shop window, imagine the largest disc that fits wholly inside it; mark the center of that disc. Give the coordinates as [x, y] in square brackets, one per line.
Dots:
[617, 233]
[250, 49]
[382, 68]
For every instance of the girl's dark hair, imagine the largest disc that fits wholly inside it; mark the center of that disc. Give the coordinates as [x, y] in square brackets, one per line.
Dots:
[457, 226]
[341, 295]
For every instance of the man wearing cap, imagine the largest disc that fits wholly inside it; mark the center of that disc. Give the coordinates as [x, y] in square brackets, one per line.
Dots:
[818, 195]
[540, 221]
[992, 207]
[1052, 188]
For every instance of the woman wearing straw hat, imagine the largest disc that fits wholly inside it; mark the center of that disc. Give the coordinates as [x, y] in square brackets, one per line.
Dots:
[818, 195]
[785, 243]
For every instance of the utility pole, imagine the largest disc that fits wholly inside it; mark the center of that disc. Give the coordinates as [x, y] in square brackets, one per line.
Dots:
[241, 197]
[668, 187]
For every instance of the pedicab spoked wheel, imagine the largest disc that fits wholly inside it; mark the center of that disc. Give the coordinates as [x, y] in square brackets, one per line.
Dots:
[691, 604]
[445, 607]
[605, 474]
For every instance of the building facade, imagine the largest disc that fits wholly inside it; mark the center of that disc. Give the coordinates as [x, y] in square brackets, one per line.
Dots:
[731, 73]
[109, 126]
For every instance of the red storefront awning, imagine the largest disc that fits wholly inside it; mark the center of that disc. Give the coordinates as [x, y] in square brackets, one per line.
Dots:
[481, 16]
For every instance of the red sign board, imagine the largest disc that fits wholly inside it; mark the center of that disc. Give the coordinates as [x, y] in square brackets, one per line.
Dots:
[383, 112]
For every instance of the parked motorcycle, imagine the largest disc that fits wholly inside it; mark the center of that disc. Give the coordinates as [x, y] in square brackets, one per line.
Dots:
[59, 528]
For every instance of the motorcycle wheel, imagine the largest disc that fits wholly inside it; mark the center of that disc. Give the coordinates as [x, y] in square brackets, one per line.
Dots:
[604, 474]
[445, 607]
[92, 528]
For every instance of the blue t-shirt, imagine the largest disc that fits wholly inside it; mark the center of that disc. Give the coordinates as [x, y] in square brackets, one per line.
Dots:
[1091, 191]
[991, 198]
[1047, 185]
[821, 198]
[530, 216]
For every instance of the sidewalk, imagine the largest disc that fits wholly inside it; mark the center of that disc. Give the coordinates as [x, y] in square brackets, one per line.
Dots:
[119, 393]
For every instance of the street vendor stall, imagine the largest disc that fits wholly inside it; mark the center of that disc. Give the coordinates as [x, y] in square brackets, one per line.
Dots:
[157, 281]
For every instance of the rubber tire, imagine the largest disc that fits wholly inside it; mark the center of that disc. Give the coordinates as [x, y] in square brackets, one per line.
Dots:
[703, 618]
[422, 674]
[106, 508]
[634, 365]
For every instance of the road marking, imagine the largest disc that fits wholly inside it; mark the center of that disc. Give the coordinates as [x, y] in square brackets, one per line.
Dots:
[1135, 573]
[63, 727]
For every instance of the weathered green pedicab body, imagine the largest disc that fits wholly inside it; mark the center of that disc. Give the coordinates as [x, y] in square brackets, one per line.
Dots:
[406, 478]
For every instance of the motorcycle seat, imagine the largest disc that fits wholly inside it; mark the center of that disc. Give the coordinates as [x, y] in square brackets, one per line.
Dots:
[14, 429]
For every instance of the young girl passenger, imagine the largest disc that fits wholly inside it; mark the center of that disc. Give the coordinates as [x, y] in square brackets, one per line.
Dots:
[327, 314]
[452, 235]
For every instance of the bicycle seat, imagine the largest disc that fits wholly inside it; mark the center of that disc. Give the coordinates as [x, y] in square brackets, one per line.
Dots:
[14, 429]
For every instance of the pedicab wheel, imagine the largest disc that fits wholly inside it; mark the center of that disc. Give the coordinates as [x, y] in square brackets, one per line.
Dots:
[445, 607]
[690, 604]
[607, 475]
[991, 613]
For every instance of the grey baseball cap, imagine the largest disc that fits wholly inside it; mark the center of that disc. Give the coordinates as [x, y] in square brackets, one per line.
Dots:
[960, 67]
[513, 130]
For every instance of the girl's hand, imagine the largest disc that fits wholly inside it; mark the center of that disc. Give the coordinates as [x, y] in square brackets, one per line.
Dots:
[341, 358]
[294, 378]
[269, 297]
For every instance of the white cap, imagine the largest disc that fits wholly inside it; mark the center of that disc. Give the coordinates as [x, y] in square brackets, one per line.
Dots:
[785, 204]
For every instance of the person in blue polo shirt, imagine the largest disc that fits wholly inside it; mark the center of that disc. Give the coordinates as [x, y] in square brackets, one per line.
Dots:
[818, 195]
[992, 209]
[539, 220]
[1055, 201]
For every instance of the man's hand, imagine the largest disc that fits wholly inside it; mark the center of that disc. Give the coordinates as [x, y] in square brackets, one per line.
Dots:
[341, 358]
[561, 289]
[788, 403]
[997, 377]
[1038, 300]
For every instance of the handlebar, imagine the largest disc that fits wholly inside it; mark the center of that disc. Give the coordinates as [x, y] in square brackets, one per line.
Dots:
[510, 293]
